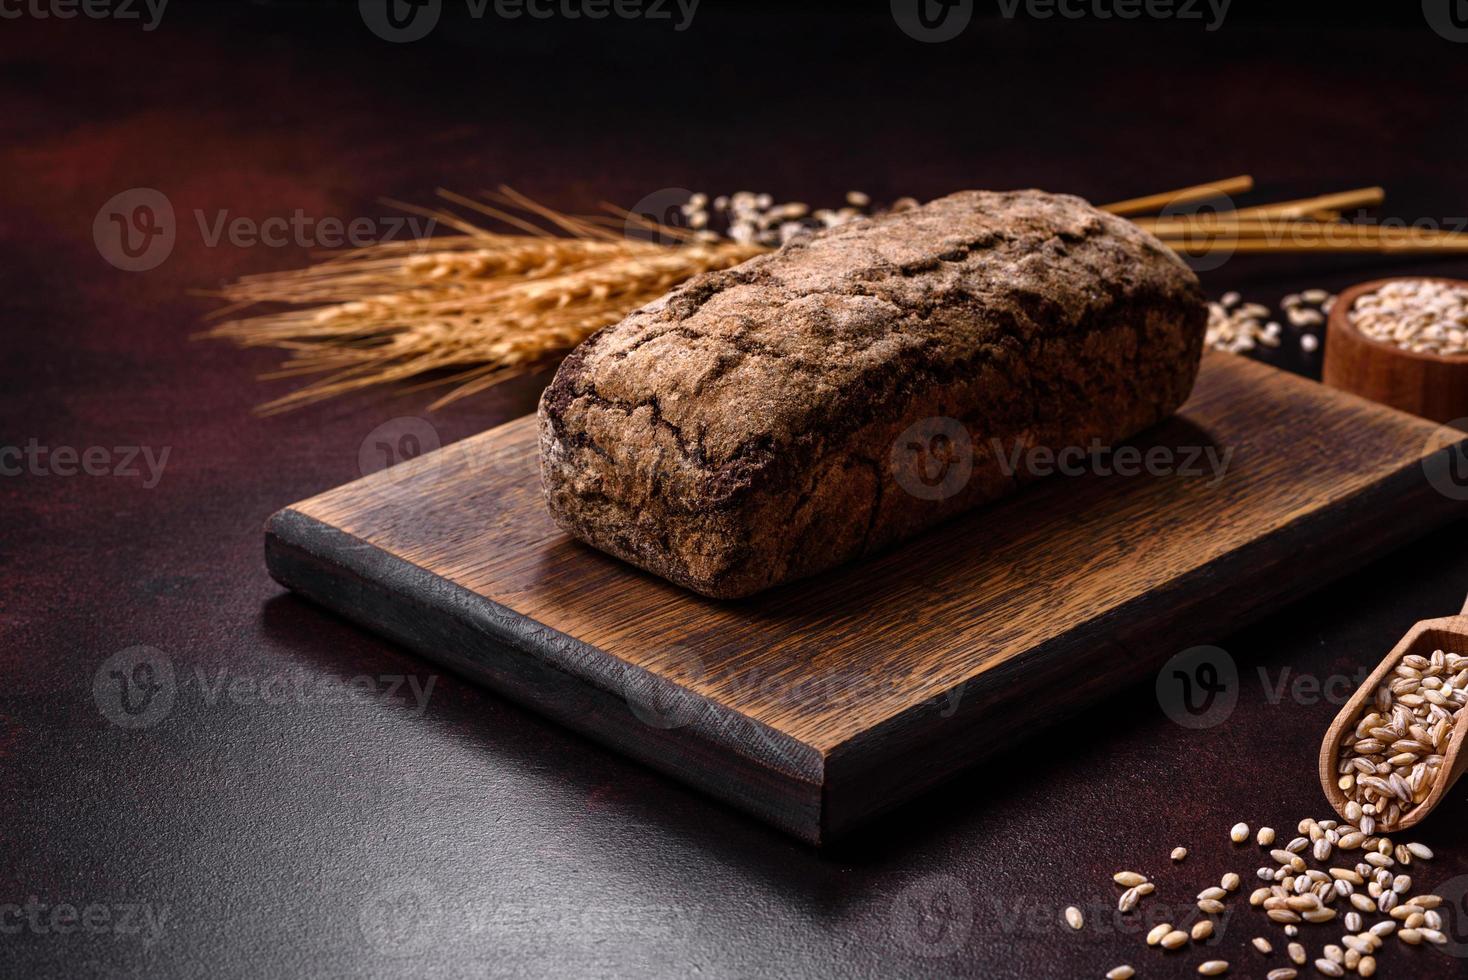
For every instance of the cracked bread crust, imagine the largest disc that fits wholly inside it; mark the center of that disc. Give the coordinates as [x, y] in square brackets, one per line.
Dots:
[743, 430]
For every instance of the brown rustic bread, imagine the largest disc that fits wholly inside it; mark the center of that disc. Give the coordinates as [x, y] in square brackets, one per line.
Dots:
[775, 419]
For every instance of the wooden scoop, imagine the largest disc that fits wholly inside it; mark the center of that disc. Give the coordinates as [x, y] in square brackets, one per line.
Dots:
[1449, 634]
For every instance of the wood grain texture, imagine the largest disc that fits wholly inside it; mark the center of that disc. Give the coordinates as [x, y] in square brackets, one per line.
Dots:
[877, 680]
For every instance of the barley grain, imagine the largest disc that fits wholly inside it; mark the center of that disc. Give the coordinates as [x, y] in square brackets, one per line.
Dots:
[1074, 918]
[1394, 753]
[1122, 972]
[1132, 897]
[1213, 968]
[1416, 314]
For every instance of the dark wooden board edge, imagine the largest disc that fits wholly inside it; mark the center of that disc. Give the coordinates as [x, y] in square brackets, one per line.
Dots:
[725, 754]
[920, 748]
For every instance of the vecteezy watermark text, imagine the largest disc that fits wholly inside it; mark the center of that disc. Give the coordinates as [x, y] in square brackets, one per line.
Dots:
[91, 9]
[1307, 689]
[935, 458]
[1103, 460]
[1201, 686]
[404, 915]
[402, 21]
[933, 21]
[1214, 11]
[136, 688]
[136, 230]
[306, 231]
[142, 919]
[34, 459]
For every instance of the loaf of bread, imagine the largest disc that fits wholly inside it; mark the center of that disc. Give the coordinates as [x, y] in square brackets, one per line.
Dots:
[827, 400]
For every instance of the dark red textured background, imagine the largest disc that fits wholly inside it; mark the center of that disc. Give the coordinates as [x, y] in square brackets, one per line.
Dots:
[354, 836]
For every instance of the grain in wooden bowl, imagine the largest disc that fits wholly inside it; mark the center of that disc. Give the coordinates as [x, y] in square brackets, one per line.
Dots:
[1402, 342]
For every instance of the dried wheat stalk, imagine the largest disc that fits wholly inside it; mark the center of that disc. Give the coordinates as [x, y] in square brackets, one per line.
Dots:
[485, 304]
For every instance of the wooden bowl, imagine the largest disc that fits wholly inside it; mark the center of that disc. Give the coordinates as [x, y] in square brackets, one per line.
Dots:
[1430, 385]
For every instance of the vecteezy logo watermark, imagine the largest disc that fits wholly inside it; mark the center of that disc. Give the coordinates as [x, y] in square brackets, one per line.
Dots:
[141, 919]
[1199, 687]
[932, 20]
[1449, 18]
[933, 917]
[134, 688]
[135, 229]
[1206, 243]
[34, 459]
[656, 702]
[138, 687]
[933, 458]
[660, 216]
[92, 9]
[402, 21]
[401, 916]
[1453, 913]
[397, 441]
[1447, 468]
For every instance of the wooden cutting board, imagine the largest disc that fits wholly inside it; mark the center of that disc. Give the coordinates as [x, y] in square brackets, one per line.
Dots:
[820, 704]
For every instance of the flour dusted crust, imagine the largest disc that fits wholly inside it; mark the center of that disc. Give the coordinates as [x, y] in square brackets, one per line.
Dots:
[738, 432]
